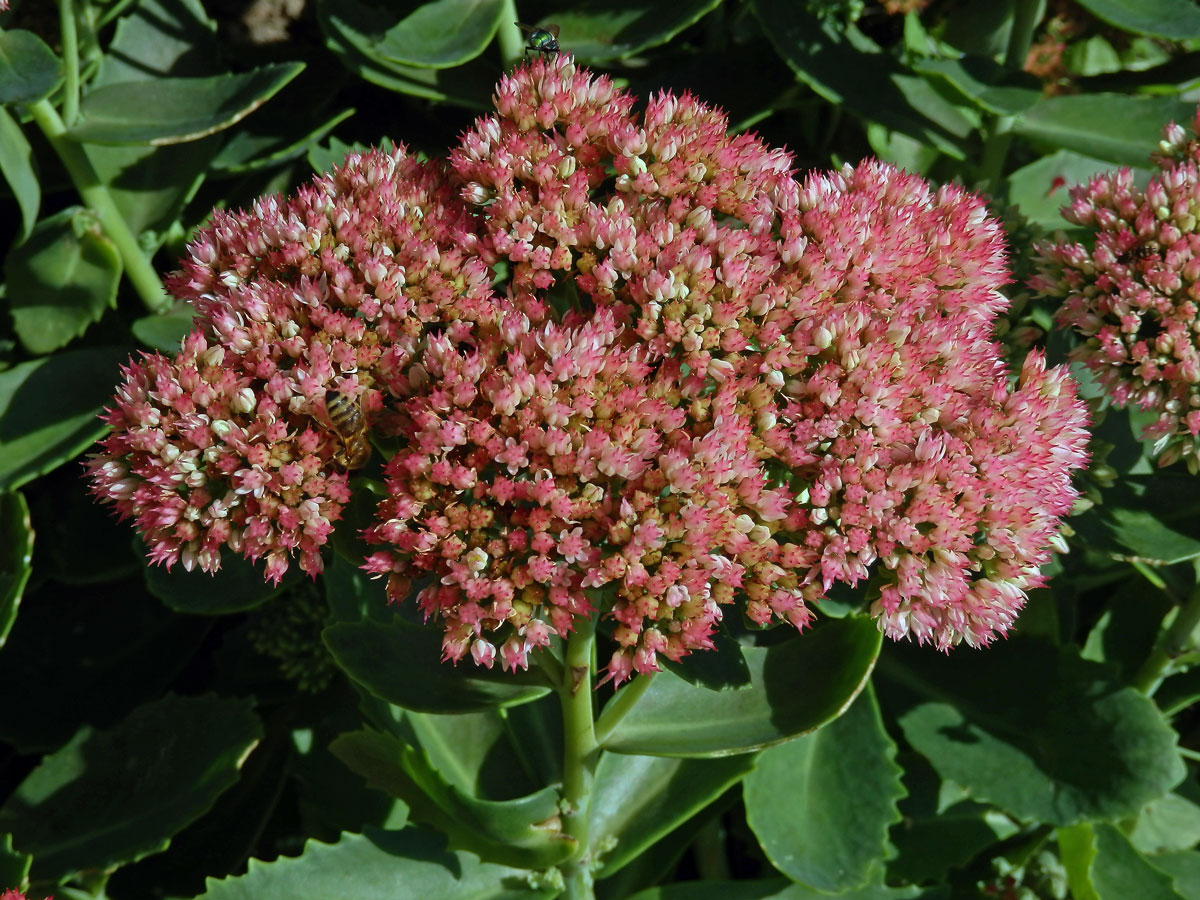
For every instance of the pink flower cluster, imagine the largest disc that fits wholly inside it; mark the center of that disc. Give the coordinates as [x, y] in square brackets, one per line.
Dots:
[1131, 288]
[704, 385]
[228, 444]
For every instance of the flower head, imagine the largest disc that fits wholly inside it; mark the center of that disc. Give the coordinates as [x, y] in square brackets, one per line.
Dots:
[230, 443]
[705, 386]
[1131, 288]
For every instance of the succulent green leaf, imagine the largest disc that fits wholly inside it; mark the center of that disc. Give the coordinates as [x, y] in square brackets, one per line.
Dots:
[786, 697]
[523, 832]
[637, 800]
[1166, 825]
[1040, 189]
[157, 39]
[174, 110]
[122, 649]
[412, 864]
[780, 889]
[595, 31]
[938, 833]
[160, 39]
[1175, 20]
[1033, 729]
[821, 805]
[49, 409]
[1077, 850]
[438, 34]
[1102, 864]
[496, 754]
[862, 78]
[985, 83]
[722, 667]
[1184, 869]
[1145, 519]
[14, 866]
[29, 70]
[402, 664]
[237, 586]
[16, 165]
[111, 797]
[1114, 127]
[280, 141]
[61, 280]
[164, 332]
[16, 557]
[467, 85]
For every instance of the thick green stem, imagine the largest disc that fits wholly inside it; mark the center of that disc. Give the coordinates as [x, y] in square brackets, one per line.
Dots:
[579, 758]
[998, 133]
[137, 268]
[616, 708]
[1170, 645]
[70, 55]
[512, 43]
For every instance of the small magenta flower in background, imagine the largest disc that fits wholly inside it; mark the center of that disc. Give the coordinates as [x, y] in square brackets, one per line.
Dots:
[704, 385]
[1131, 288]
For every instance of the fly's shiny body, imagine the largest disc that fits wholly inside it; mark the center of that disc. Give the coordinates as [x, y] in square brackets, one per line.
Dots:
[348, 423]
[540, 38]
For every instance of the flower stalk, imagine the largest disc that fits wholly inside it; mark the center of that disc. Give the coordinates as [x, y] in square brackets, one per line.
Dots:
[137, 268]
[512, 43]
[1171, 644]
[579, 756]
[70, 55]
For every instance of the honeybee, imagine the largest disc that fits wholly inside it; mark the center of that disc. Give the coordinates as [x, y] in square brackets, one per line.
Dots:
[349, 424]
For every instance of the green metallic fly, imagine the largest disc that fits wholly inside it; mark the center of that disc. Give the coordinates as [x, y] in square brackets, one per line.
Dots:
[541, 38]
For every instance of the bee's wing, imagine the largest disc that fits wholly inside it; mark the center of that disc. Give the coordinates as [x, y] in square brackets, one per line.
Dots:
[527, 29]
[553, 29]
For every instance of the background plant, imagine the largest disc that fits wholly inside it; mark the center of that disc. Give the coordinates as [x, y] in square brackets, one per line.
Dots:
[156, 731]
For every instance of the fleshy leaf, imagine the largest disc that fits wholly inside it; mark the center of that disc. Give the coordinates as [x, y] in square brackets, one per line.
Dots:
[16, 557]
[637, 800]
[150, 185]
[49, 409]
[14, 866]
[860, 76]
[828, 829]
[466, 85]
[164, 332]
[938, 833]
[985, 83]
[61, 280]
[402, 664]
[1033, 729]
[237, 586]
[122, 649]
[110, 797]
[1175, 20]
[29, 70]
[1101, 864]
[412, 864]
[439, 34]
[598, 31]
[524, 832]
[771, 889]
[1166, 825]
[16, 165]
[1040, 189]
[174, 110]
[249, 150]
[1114, 127]
[796, 687]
